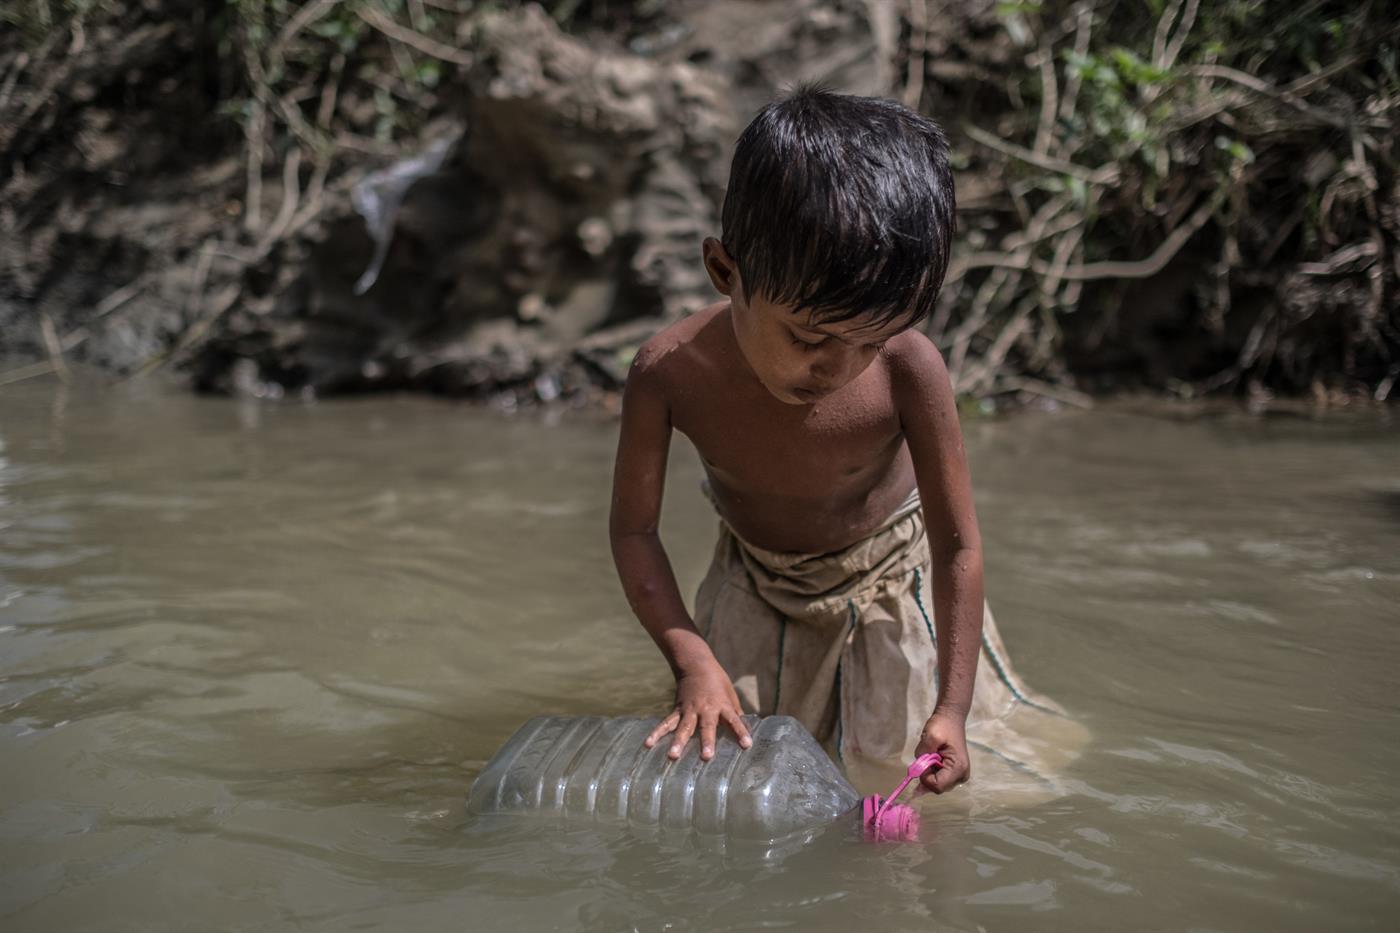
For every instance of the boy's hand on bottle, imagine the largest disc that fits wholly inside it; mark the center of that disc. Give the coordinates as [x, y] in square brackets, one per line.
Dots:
[944, 734]
[704, 699]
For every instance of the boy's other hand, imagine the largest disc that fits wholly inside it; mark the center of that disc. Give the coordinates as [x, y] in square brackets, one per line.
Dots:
[704, 698]
[943, 733]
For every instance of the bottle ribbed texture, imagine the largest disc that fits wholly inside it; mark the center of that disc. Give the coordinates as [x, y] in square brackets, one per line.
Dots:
[588, 767]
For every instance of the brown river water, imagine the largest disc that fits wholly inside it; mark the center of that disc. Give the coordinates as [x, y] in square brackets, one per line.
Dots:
[251, 657]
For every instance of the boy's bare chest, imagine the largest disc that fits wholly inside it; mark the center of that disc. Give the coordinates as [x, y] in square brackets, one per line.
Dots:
[794, 451]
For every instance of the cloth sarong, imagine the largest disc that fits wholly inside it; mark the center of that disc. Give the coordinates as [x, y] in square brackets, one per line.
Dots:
[845, 642]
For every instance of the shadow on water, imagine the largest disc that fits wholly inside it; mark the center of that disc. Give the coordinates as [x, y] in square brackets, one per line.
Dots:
[1389, 502]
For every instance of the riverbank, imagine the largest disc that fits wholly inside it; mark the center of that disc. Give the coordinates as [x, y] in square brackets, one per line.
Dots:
[501, 203]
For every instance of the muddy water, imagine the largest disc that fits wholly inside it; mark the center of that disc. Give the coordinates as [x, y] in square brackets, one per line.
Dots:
[251, 657]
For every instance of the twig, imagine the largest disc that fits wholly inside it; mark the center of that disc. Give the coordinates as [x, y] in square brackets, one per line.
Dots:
[119, 297]
[1103, 175]
[79, 36]
[1007, 257]
[53, 80]
[1385, 385]
[918, 50]
[1178, 39]
[21, 373]
[194, 309]
[311, 200]
[1262, 87]
[1069, 298]
[986, 259]
[1084, 15]
[252, 197]
[330, 94]
[365, 144]
[43, 367]
[222, 302]
[1359, 54]
[1005, 279]
[963, 333]
[303, 17]
[883, 19]
[1047, 336]
[1247, 355]
[311, 203]
[1164, 27]
[6, 89]
[403, 61]
[200, 276]
[1152, 264]
[1048, 390]
[22, 61]
[416, 40]
[1065, 248]
[291, 197]
[54, 347]
[1001, 346]
[1049, 96]
[1333, 264]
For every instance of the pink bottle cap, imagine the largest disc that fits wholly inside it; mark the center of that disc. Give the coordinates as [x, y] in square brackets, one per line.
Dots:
[887, 821]
[894, 823]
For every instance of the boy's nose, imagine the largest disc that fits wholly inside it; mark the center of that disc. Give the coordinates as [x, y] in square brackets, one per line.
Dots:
[828, 370]
[820, 372]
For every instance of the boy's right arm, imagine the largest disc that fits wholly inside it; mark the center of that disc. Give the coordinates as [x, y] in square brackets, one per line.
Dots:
[704, 695]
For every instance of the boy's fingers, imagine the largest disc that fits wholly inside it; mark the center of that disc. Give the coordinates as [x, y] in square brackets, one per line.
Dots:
[664, 726]
[741, 731]
[928, 781]
[682, 735]
[949, 776]
[708, 722]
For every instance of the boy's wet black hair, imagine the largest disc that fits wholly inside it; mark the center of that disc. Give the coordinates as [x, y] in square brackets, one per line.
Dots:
[841, 206]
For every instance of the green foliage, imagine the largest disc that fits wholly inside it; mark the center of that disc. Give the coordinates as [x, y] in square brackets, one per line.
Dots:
[342, 28]
[282, 56]
[1280, 119]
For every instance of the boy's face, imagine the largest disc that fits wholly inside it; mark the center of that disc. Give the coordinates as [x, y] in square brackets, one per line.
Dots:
[798, 360]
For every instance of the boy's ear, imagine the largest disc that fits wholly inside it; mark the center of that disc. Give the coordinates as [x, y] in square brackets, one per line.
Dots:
[722, 269]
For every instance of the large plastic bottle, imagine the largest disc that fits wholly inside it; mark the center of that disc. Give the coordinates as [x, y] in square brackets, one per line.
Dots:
[597, 768]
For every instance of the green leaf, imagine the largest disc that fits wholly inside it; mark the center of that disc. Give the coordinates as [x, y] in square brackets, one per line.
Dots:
[1236, 149]
[1134, 70]
[1007, 8]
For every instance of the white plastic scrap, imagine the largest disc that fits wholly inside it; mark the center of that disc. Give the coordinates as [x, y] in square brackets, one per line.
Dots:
[379, 195]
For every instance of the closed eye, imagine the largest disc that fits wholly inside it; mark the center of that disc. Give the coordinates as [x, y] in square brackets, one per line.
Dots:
[808, 345]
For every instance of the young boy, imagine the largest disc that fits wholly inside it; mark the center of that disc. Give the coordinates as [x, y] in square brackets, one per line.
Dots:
[825, 421]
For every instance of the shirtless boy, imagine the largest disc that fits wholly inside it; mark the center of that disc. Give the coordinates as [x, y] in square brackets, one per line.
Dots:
[824, 419]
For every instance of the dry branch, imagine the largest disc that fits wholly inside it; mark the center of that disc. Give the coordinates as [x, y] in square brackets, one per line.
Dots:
[1103, 175]
[413, 39]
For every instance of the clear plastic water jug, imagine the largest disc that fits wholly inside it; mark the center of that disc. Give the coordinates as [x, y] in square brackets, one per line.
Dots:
[596, 768]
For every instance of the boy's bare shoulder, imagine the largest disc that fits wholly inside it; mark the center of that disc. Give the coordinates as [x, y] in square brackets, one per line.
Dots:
[916, 367]
[681, 348]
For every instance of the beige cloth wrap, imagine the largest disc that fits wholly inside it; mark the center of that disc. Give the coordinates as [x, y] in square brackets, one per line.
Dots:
[845, 642]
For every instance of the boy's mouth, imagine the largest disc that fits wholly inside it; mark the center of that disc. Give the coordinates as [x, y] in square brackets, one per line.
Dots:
[806, 394]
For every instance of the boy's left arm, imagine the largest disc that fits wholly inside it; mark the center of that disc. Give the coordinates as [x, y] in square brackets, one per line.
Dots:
[929, 417]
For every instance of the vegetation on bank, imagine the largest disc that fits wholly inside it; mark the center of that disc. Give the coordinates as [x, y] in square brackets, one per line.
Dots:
[1186, 196]
[1203, 193]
